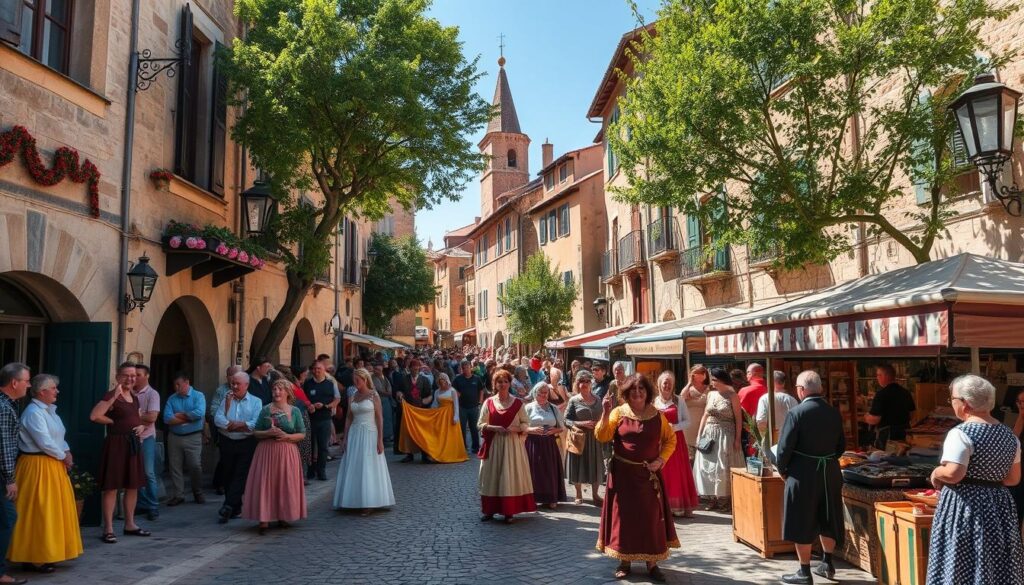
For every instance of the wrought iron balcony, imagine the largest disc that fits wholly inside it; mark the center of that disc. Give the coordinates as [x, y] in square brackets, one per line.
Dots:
[610, 267]
[631, 251]
[761, 256]
[704, 263]
[663, 239]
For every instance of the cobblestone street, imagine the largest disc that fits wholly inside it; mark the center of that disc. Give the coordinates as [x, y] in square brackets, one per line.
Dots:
[433, 535]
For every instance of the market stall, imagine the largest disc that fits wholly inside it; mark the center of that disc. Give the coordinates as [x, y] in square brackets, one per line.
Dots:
[676, 345]
[930, 322]
[570, 348]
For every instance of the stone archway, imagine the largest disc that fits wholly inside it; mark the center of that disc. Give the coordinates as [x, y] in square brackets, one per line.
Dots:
[185, 341]
[499, 339]
[258, 335]
[303, 344]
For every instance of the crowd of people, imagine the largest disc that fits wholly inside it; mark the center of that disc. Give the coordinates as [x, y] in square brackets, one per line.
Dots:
[657, 450]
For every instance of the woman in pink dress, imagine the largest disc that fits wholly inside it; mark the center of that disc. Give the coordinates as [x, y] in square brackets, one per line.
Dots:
[273, 490]
[677, 474]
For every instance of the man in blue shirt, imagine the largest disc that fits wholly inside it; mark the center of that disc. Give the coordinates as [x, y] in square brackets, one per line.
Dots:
[183, 415]
[235, 421]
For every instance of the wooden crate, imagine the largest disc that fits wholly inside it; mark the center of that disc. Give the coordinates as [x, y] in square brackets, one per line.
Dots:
[888, 540]
[757, 512]
[915, 532]
[861, 547]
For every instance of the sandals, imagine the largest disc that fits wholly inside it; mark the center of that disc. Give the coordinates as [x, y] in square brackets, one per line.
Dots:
[578, 501]
[622, 571]
[655, 574]
[137, 532]
[109, 538]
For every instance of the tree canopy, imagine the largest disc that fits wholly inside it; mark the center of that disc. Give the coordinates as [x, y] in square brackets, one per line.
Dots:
[361, 102]
[538, 304]
[399, 279]
[809, 113]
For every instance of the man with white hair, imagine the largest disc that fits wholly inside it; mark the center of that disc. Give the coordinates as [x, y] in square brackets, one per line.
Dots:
[208, 435]
[235, 421]
[811, 442]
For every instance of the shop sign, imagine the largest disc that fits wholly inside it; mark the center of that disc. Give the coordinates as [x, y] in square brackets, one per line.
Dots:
[666, 347]
[929, 329]
[596, 354]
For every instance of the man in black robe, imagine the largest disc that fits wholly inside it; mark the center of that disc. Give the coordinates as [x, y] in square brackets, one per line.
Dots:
[809, 447]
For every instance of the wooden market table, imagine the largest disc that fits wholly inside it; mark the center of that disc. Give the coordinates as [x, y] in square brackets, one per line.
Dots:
[757, 512]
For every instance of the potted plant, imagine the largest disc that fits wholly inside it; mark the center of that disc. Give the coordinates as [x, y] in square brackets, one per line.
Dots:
[84, 485]
[761, 462]
[161, 178]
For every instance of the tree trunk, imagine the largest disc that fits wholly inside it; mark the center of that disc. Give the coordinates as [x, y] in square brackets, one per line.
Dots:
[293, 298]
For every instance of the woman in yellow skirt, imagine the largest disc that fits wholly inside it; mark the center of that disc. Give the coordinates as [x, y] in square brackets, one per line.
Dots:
[47, 529]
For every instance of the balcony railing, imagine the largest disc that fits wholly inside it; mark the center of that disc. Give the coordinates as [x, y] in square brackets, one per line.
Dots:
[609, 267]
[762, 255]
[702, 263]
[631, 250]
[663, 239]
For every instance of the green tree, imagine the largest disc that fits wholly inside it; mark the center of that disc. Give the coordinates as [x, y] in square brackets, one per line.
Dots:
[538, 303]
[399, 279]
[809, 112]
[365, 102]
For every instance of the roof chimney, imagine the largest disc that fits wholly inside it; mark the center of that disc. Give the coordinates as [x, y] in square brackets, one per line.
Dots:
[547, 153]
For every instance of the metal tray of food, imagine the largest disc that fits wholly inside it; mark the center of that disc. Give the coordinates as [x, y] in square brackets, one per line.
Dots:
[886, 476]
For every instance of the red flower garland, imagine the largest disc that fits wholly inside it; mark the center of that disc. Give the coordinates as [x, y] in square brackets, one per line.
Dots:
[65, 164]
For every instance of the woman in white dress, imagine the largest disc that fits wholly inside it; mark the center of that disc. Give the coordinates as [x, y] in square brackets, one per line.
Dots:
[363, 479]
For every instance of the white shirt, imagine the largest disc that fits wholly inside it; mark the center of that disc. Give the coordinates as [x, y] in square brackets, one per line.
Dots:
[958, 448]
[42, 431]
[682, 412]
[543, 415]
[783, 404]
[246, 410]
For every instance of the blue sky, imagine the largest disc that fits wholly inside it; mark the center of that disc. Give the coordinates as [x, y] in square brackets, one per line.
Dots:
[556, 52]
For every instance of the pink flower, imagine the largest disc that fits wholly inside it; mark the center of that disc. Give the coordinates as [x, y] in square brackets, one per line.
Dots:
[175, 241]
[190, 243]
[222, 249]
[233, 253]
[254, 261]
[243, 257]
[200, 243]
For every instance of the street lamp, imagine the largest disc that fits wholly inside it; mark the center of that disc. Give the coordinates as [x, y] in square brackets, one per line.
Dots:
[257, 205]
[142, 281]
[986, 116]
[600, 305]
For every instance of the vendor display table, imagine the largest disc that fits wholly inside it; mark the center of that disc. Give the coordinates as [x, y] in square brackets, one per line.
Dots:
[861, 546]
[757, 512]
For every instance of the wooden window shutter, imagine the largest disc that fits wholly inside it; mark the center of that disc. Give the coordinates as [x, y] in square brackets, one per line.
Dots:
[218, 135]
[922, 186]
[692, 232]
[183, 110]
[10, 21]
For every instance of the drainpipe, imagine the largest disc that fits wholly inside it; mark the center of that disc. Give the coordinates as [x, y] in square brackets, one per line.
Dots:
[653, 313]
[240, 288]
[126, 179]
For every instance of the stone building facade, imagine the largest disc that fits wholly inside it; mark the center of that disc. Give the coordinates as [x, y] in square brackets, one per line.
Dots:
[655, 268]
[60, 271]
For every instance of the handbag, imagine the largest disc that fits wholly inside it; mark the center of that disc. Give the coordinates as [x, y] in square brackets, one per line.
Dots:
[705, 445]
[577, 440]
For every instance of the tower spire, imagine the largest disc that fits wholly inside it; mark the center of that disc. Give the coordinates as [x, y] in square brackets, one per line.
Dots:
[505, 118]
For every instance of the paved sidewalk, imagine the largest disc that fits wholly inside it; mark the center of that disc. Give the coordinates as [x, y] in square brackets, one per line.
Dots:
[433, 535]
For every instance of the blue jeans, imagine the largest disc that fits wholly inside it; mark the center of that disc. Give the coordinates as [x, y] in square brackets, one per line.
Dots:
[468, 419]
[148, 494]
[8, 516]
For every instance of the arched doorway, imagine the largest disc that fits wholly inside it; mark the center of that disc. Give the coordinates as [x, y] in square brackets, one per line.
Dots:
[499, 339]
[185, 341]
[258, 335]
[303, 345]
[45, 326]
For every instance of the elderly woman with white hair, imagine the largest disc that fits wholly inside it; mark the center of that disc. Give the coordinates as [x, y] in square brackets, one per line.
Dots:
[546, 424]
[975, 536]
[47, 528]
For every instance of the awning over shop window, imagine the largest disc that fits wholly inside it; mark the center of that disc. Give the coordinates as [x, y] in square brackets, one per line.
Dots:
[373, 341]
[600, 349]
[669, 338]
[917, 310]
[580, 339]
[458, 336]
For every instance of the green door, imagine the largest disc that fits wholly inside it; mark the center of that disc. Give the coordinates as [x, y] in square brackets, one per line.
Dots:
[79, 354]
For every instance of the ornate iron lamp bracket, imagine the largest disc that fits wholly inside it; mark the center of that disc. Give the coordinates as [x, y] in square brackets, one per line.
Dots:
[149, 68]
[1011, 196]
